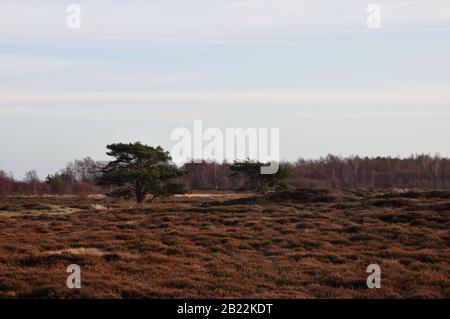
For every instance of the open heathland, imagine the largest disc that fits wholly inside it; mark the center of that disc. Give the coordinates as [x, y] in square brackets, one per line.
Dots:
[297, 244]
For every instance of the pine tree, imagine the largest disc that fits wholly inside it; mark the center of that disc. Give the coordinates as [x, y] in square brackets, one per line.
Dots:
[140, 170]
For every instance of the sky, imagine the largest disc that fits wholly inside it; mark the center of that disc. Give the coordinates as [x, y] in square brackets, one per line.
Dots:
[138, 69]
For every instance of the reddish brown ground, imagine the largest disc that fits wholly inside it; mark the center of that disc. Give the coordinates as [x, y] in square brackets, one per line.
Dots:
[200, 247]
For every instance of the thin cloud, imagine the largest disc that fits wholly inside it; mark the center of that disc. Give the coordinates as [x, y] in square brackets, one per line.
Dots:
[170, 21]
[387, 96]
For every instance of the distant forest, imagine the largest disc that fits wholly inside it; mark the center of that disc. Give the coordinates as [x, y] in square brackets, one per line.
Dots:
[418, 171]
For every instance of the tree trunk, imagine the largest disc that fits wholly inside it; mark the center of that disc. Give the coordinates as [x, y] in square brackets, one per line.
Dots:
[140, 193]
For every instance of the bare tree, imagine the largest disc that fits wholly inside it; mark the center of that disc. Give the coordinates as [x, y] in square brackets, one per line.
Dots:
[32, 178]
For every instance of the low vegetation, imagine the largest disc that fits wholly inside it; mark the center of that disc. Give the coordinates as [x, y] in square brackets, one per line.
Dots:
[304, 244]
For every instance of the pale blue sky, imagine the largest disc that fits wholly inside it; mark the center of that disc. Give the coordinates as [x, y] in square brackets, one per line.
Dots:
[138, 69]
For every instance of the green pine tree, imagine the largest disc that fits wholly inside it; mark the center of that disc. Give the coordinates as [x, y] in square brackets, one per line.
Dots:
[140, 170]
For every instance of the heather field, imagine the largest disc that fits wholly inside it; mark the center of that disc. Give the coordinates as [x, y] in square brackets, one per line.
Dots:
[306, 244]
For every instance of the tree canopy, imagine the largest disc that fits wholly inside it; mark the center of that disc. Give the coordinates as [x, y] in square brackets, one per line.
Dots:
[262, 182]
[139, 170]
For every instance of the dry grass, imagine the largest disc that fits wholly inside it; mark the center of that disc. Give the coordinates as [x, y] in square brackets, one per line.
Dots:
[195, 247]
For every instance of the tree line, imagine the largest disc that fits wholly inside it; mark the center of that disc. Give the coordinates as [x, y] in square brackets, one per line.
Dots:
[139, 170]
[78, 177]
[416, 171]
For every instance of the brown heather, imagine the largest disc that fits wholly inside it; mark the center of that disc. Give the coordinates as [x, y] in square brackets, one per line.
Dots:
[306, 246]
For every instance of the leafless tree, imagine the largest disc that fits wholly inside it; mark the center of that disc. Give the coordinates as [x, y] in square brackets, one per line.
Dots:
[32, 178]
